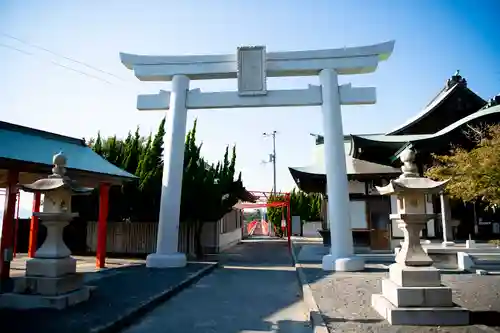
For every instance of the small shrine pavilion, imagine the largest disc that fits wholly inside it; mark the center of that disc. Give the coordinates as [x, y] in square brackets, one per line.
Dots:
[26, 155]
[373, 159]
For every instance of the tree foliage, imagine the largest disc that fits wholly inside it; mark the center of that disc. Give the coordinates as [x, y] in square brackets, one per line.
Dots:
[276, 214]
[305, 205]
[474, 173]
[209, 190]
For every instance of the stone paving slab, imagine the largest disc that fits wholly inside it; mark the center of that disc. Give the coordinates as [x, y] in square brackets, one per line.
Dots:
[121, 296]
[344, 299]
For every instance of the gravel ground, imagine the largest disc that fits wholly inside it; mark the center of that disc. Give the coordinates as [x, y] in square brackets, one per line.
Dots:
[118, 291]
[345, 300]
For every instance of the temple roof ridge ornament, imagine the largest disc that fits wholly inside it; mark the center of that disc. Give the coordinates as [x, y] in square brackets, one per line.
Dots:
[494, 101]
[410, 180]
[456, 79]
[449, 91]
[56, 180]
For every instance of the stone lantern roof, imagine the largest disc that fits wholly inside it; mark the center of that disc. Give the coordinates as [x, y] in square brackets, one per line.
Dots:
[56, 180]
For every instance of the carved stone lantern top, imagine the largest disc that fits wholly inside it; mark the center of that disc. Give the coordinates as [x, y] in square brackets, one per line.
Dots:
[410, 181]
[57, 180]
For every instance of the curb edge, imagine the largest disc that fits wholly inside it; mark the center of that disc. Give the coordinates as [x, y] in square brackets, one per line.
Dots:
[315, 316]
[130, 317]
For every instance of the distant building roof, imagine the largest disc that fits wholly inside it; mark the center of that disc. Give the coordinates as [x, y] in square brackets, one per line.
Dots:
[354, 167]
[464, 101]
[433, 140]
[421, 137]
[313, 177]
[31, 151]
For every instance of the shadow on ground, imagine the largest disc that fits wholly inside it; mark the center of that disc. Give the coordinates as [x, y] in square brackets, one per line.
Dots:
[255, 290]
[118, 291]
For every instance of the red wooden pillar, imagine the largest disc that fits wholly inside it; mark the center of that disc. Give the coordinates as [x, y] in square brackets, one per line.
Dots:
[7, 241]
[102, 225]
[34, 225]
[16, 224]
[289, 221]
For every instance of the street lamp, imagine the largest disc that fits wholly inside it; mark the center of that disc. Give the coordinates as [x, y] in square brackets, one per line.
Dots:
[319, 138]
[272, 157]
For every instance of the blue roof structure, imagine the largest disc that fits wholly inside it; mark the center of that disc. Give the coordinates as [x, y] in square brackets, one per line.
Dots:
[29, 149]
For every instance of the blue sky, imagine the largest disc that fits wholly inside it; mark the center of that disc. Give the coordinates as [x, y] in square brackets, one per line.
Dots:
[433, 40]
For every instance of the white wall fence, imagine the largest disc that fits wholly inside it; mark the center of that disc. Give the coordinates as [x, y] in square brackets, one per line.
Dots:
[140, 238]
[137, 238]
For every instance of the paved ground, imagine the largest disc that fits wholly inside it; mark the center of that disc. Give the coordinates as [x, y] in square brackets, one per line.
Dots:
[255, 290]
[119, 291]
[344, 300]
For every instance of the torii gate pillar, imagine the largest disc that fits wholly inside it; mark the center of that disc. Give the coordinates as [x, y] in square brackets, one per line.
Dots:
[167, 254]
[341, 257]
[251, 66]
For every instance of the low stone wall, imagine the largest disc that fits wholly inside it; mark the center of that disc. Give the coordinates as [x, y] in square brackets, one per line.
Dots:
[310, 229]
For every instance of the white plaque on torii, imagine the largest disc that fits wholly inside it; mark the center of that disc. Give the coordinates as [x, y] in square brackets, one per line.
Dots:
[252, 71]
[251, 66]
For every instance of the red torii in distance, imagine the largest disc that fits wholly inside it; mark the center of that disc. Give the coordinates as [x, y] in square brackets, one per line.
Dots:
[261, 198]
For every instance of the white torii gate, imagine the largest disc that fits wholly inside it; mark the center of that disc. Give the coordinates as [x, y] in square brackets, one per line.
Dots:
[251, 66]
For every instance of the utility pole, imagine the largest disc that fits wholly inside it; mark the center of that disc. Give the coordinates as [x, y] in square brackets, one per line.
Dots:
[272, 157]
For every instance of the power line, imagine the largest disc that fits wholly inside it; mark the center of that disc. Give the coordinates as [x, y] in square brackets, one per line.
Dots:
[61, 56]
[16, 49]
[58, 64]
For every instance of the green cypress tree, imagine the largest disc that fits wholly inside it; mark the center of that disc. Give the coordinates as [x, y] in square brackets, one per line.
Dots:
[317, 207]
[111, 150]
[132, 154]
[141, 167]
[97, 146]
[151, 173]
[152, 163]
[125, 148]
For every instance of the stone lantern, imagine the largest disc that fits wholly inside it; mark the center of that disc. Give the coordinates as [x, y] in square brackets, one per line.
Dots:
[51, 280]
[413, 293]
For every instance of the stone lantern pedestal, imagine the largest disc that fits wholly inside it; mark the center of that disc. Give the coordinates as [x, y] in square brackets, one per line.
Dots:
[413, 294]
[51, 280]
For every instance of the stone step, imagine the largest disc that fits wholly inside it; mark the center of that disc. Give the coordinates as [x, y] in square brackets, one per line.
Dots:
[58, 302]
[486, 261]
[382, 258]
[485, 257]
[487, 267]
[417, 296]
[48, 286]
[416, 316]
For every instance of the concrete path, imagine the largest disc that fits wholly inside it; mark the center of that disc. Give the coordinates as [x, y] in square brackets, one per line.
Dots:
[255, 290]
